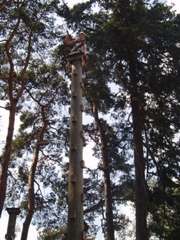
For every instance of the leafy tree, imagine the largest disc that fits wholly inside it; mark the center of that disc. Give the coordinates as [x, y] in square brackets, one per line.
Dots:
[44, 97]
[139, 44]
[27, 30]
[134, 48]
[108, 147]
[52, 234]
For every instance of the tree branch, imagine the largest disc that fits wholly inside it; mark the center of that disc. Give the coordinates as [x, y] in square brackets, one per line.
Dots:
[7, 49]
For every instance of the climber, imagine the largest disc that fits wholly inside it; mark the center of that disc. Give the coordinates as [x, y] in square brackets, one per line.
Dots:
[79, 45]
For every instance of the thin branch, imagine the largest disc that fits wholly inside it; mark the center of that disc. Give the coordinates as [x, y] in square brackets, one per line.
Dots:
[3, 6]
[7, 47]
[152, 156]
[22, 82]
[94, 207]
[6, 108]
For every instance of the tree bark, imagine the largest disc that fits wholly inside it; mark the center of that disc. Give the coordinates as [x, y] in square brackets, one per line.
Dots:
[140, 183]
[12, 109]
[107, 180]
[31, 177]
[13, 99]
[31, 194]
[6, 155]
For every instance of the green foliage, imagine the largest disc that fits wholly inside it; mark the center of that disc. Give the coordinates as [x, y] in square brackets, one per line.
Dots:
[117, 32]
[164, 221]
[54, 234]
[148, 33]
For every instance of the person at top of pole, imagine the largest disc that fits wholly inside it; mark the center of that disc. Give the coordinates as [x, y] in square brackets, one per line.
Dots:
[79, 43]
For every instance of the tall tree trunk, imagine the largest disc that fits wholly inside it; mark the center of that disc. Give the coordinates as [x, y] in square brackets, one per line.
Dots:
[13, 99]
[31, 177]
[107, 180]
[13, 102]
[6, 154]
[140, 191]
[31, 194]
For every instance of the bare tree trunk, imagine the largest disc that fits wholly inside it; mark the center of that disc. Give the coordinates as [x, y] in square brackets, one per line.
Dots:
[6, 155]
[140, 183]
[13, 99]
[31, 194]
[31, 177]
[107, 180]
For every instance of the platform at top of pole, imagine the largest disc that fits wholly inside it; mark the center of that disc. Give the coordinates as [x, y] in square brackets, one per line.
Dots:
[74, 56]
[13, 210]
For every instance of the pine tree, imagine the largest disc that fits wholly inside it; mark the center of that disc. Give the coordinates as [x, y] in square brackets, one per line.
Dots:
[139, 45]
[26, 28]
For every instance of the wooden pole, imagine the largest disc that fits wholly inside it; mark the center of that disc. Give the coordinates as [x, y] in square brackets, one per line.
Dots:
[76, 163]
[13, 212]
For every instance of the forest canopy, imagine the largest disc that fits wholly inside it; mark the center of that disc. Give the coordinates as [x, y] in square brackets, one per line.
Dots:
[130, 110]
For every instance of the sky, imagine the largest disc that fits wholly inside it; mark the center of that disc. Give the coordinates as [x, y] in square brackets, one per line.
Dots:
[3, 123]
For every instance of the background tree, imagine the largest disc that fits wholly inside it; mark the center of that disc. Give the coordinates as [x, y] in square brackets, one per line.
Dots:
[140, 39]
[132, 81]
[44, 96]
[27, 29]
